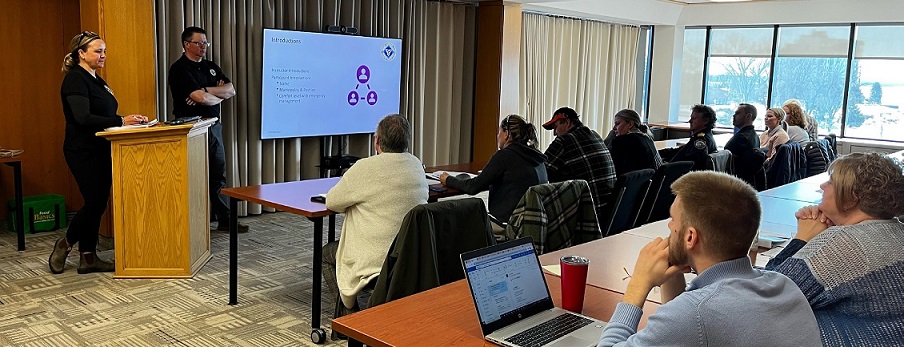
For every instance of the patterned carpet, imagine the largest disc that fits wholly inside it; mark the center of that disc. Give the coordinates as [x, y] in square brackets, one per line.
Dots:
[41, 309]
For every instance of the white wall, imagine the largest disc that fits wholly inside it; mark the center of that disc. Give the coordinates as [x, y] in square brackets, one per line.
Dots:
[793, 12]
[757, 13]
[636, 12]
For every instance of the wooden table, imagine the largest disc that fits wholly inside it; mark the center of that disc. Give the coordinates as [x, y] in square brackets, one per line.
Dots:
[445, 316]
[294, 197]
[611, 261]
[16, 163]
[807, 190]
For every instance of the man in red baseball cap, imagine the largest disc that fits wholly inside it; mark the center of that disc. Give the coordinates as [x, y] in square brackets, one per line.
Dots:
[579, 153]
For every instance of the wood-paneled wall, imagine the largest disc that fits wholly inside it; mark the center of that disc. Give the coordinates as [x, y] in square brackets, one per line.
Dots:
[496, 87]
[32, 118]
[39, 33]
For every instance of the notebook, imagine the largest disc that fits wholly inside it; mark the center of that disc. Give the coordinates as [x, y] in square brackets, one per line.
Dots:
[513, 302]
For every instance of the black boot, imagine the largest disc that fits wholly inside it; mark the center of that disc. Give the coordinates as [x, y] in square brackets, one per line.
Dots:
[57, 261]
[89, 263]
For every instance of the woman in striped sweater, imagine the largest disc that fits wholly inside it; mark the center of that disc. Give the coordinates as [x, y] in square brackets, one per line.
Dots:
[847, 255]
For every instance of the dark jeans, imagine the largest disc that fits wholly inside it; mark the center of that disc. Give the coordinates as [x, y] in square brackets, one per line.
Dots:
[328, 265]
[217, 162]
[93, 172]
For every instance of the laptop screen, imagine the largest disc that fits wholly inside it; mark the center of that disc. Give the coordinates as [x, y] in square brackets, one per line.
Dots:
[506, 282]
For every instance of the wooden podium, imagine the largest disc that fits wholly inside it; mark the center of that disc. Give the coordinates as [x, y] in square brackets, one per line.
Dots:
[161, 222]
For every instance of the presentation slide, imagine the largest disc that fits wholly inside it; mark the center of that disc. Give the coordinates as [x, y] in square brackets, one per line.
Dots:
[317, 84]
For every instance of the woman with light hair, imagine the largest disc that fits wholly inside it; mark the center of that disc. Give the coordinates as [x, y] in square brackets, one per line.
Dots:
[847, 255]
[793, 108]
[795, 123]
[632, 149]
[774, 135]
[88, 107]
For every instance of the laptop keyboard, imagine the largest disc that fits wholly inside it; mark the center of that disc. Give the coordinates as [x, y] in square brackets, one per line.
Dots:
[550, 330]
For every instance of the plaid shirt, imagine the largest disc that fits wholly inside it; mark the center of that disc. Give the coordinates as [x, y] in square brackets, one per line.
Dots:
[556, 215]
[581, 154]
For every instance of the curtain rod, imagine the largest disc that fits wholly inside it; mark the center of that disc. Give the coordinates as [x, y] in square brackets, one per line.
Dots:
[455, 2]
[555, 15]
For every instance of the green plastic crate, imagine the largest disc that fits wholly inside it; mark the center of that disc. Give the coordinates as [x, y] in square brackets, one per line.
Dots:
[42, 213]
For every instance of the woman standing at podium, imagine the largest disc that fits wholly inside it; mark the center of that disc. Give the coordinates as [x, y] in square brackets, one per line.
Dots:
[89, 107]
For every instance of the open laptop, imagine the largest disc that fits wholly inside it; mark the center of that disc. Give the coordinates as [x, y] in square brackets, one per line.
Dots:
[513, 302]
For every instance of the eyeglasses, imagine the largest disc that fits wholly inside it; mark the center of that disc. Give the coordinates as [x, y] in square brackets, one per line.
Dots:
[200, 43]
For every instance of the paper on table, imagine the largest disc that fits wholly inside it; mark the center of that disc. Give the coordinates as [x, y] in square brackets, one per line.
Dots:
[435, 175]
[133, 126]
[554, 269]
[431, 181]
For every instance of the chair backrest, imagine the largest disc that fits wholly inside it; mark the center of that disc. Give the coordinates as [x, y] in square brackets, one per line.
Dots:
[659, 196]
[721, 161]
[425, 253]
[818, 154]
[789, 164]
[832, 148]
[627, 198]
[556, 215]
[748, 166]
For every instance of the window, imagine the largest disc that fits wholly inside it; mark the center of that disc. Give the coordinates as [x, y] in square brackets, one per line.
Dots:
[692, 71]
[738, 72]
[644, 58]
[811, 66]
[876, 96]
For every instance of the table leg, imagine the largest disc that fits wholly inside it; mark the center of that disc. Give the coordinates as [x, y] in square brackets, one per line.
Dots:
[317, 281]
[331, 233]
[233, 250]
[20, 204]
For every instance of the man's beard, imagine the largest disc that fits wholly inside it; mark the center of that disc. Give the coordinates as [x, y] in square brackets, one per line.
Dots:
[677, 252]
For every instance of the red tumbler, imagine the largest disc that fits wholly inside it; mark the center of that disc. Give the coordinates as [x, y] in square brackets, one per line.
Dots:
[574, 279]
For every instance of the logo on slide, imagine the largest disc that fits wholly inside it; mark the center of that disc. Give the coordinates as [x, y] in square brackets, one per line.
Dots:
[362, 74]
[388, 52]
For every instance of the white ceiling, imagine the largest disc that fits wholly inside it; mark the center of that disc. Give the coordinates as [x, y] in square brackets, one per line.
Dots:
[720, 12]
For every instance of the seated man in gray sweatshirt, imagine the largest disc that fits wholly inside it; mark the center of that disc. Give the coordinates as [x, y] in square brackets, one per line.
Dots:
[715, 217]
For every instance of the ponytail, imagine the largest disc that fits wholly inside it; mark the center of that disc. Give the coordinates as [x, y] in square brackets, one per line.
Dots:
[521, 131]
[69, 62]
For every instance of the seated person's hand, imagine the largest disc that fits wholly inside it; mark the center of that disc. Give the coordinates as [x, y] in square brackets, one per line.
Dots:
[442, 178]
[807, 212]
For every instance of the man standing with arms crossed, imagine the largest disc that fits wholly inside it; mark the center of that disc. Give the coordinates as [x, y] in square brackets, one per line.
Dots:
[198, 86]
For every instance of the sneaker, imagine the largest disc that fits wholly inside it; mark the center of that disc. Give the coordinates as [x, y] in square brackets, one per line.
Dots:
[225, 227]
[89, 263]
[57, 261]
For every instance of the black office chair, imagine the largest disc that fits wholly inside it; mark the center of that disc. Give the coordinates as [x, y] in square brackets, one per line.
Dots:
[749, 167]
[626, 199]
[659, 197]
[788, 164]
[425, 253]
[721, 161]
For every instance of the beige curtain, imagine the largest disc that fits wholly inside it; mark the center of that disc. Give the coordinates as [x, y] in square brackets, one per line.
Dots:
[583, 64]
[437, 72]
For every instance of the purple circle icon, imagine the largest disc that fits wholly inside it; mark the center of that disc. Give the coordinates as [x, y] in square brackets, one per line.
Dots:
[353, 98]
[363, 74]
[372, 98]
